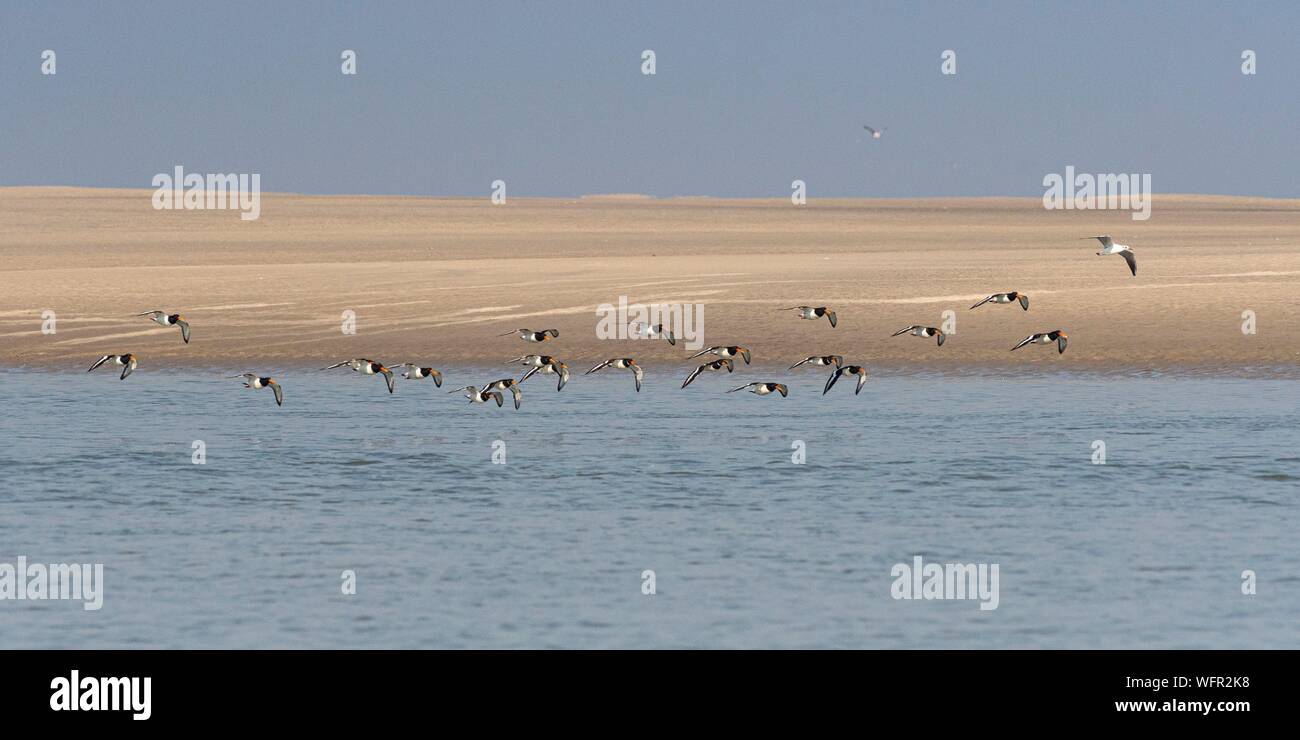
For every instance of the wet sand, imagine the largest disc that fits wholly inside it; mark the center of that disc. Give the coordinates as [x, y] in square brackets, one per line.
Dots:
[435, 280]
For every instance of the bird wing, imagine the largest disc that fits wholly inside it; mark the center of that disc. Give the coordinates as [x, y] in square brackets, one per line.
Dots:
[601, 366]
[518, 394]
[1127, 254]
[564, 378]
[1023, 342]
[279, 394]
[531, 372]
[838, 360]
[437, 378]
[870, 130]
[831, 380]
[388, 378]
[940, 337]
[780, 388]
[1024, 301]
[99, 362]
[185, 330]
[862, 380]
[339, 364]
[741, 388]
[1106, 241]
[499, 399]
[904, 331]
[639, 375]
[671, 339]
[130, 366]
[831, 316]
[981, 303]
[801, 362]
[700, 354]
[745, 354]
[1060, 345]
[694, 374]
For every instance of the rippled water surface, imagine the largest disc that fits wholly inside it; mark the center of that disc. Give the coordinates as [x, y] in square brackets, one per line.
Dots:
[1201, 482]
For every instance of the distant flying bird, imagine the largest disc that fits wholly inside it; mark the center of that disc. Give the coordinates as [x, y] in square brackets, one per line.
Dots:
[127, 361]
[1046, 337]
[253, 380]
[730, 365]
[1108, 246]
[476, 396]
[1006, 298]
[367, 367]
[652, 332]
[622, 363]
[532, 360]
[415, 372]
[175, 319]
[762, 389]
[528, 335]
[836, 360]
[813, 313]
[506, 384]
[725, 353]
[875, 134]
[551, 367]
[857, 370]
[923, 331]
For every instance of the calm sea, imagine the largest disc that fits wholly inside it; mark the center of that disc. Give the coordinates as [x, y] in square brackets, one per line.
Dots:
[599, 484]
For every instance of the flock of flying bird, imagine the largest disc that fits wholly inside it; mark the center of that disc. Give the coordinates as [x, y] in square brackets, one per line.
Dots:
[549, 365]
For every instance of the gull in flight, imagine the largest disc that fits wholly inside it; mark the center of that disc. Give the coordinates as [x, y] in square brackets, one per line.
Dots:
[253, 380]
[875, 134]
[528, 335]
[652, 332]
[549, 366]
[836, 360]
[813, 313]
[1011, 297]
[506, 384]
[367, 367]
[622, 363]
[1108, 246]
[730, 365]
[857, 370]
[476, 396]
[415, 372]
[923, 331]
[166, 319]
[762, 389]
[127, 361]
[1046, 337]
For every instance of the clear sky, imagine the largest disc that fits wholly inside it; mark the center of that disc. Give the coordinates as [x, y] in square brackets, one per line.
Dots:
[748, 96]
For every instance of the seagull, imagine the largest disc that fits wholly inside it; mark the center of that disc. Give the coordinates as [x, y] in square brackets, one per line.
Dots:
[622, 363]
[813, 313]
[528, 335]
[652, 332]
[175, 319]
[367, 367]
[127, 360]
[476, 396]
[836, 360]
[253, 380]
[1006, 298]
[715, 365]
[1047, 337]
[1108, 246]
[857, 370]
[923, 331]
[415, 372]
[763, 389]
[506, 384]
[551, 367]
[725, 352]
[874, 133]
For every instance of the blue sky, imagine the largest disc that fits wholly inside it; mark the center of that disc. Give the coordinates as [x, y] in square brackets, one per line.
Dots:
[748, 96]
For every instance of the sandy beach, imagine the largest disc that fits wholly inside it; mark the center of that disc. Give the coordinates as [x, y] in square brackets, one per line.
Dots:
[435, 280]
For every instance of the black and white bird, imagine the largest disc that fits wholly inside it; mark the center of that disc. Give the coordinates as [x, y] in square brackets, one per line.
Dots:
[875, 133]
[813, 313]
[1010, 297]
[127, 361]
[528, 335]
[730, 365]
[415, 372]
[622, 363]
[166, 319]
[658, 331]
[532, 360]
[476, 396]
[253, 380]
[552, 366]
[917, 330]
[820, 360]
[367, 367]
[506, 384]
[1046, 337]
[763, 389]
[857, 370]
[1108, 246]
[727, 353]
